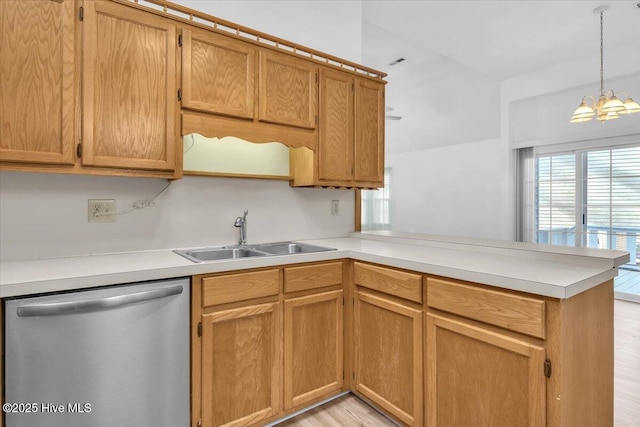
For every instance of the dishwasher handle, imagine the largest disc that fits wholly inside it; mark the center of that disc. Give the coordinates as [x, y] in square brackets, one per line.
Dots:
[52, 309]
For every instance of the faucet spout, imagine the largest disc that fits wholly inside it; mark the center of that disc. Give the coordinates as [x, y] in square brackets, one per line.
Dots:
[241, 224]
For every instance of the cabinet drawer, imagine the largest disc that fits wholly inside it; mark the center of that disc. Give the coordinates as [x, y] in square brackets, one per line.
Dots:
[387, 280]
[509, 311]
[239, 287]
[312, 276]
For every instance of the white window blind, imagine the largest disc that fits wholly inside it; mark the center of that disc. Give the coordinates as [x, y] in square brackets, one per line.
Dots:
[555, 206]
[589, 198]
[611, 207]
[376, 207]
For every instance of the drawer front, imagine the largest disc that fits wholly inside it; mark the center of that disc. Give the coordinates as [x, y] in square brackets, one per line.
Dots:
[312, 276]
[239, 287]
[393, 282]
[509, 311]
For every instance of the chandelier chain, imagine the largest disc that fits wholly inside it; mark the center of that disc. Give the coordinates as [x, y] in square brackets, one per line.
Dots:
[601, 53]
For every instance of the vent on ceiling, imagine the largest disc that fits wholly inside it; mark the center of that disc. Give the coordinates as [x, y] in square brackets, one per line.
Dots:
[397, 61]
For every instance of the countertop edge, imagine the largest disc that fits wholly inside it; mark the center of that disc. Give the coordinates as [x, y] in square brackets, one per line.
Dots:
[381, 253]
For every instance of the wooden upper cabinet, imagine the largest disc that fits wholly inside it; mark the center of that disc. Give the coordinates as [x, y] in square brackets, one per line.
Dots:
[288, 90]
[218, 74]
[369, 131]
[129, 88]
[335, 150]
[37, 81]
[350, 149]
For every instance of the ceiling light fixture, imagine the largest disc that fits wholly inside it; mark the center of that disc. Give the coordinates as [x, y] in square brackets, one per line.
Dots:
[608, 106]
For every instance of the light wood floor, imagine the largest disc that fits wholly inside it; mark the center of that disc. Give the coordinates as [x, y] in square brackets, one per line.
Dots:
[345, 411]
[626, 387]
[349, 411]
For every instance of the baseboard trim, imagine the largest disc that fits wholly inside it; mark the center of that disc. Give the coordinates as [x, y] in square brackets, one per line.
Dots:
[627, 297]
[308, 408]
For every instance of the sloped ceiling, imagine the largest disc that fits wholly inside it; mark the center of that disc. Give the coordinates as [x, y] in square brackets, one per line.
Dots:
[457, 53]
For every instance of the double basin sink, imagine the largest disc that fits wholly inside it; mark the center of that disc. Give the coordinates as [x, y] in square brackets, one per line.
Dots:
[250, 251]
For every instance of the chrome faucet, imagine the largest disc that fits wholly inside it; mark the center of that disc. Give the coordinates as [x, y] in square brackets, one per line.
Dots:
[241, 224]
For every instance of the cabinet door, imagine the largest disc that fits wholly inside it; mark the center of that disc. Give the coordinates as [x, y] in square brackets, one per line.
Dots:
[369, 135]
[388, 356]
[288, 90]
[37, 81]
[218, 74]
[312, 348]
[335, 145]
[241, 365]
[477, 377]
[129, 88]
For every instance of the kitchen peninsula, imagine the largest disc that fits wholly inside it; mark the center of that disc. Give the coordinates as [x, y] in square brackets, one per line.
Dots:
[407, 322]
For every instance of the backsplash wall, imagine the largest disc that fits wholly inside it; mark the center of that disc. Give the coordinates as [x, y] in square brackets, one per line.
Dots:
[45, 215]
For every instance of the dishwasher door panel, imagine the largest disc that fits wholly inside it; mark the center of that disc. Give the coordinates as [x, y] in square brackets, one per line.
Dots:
[103, 360]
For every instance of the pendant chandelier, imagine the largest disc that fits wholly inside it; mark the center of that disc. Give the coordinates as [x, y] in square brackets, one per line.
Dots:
[608, 106]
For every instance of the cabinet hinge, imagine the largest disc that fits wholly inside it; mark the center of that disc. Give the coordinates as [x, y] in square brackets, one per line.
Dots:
[180, 40]
[81, 14]
[179, 94]
[79, 150]
[547, 368]
[199, 329]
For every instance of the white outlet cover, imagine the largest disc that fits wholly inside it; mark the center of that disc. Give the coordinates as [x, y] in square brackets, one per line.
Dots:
[101, 210]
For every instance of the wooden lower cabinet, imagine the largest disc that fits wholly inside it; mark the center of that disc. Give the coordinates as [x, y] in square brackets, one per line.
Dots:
[313, 353]
[477, 377]
[388, 356]
[241, 365]
[427, 351]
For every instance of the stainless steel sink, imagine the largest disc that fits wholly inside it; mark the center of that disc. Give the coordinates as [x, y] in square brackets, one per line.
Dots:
[213, 254]
[287, 248]
[236, 252]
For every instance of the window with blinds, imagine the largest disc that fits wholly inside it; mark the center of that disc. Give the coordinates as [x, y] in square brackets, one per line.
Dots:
[555, 204]
[375, 208]
[611, 201]
[590, 199]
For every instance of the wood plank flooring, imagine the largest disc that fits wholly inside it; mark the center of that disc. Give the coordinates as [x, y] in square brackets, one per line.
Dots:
[626, 385]
[349, 411]
[345, 411]
[627, 282]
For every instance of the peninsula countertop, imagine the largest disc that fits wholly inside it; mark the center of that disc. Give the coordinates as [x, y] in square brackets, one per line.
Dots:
[553, 271]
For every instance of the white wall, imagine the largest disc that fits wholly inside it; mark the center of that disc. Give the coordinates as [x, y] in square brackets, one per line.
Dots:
[456, 190]
[469, 189]
[45, 215]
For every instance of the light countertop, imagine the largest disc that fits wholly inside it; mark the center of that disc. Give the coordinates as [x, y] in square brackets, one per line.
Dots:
[553, 271]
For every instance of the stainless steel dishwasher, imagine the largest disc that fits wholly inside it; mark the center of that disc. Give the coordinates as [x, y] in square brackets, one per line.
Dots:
[114, 356]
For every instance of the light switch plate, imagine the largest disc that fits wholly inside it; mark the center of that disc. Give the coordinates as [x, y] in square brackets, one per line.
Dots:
[335, 207]
[102, 210]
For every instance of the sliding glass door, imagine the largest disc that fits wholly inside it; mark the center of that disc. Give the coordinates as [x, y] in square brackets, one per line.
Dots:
[591, 198]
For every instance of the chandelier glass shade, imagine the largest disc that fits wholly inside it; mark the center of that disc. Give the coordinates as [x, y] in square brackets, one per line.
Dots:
[608, 106]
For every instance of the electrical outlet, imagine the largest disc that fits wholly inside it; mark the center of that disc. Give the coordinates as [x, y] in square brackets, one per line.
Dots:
[102, 210]
[335, 207]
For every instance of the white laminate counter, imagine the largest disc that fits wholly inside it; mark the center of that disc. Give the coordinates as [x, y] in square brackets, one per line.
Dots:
[553, 271]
